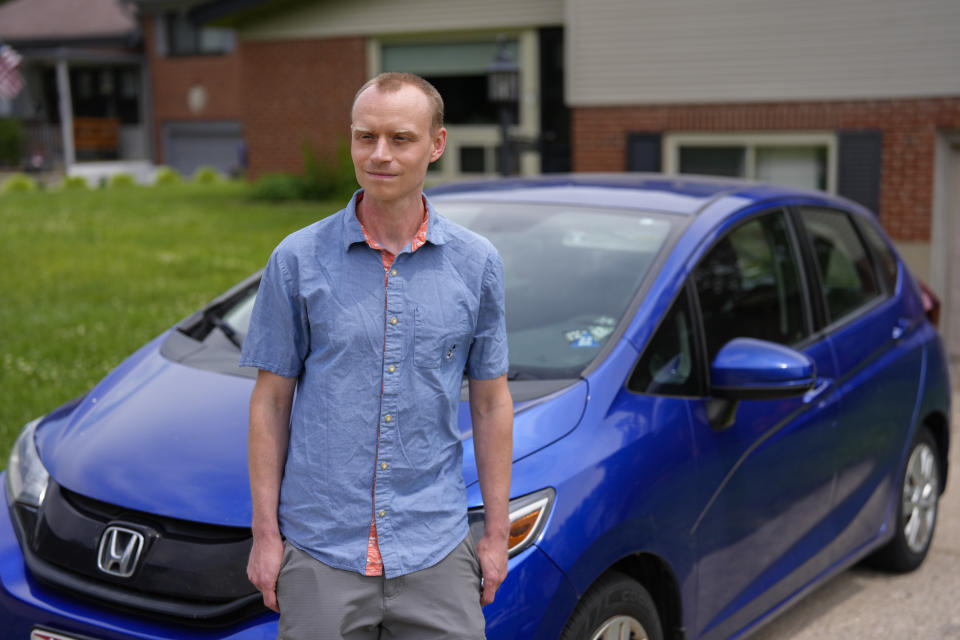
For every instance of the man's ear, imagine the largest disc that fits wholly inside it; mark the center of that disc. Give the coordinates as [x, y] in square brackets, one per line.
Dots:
[439, 144]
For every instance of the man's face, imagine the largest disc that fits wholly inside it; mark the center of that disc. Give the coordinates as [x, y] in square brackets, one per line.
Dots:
[391, 142]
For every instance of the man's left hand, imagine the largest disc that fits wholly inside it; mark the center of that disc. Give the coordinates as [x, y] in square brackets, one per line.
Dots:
[493, 566]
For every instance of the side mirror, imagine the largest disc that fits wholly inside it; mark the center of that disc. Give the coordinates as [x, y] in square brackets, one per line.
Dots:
[751, 369]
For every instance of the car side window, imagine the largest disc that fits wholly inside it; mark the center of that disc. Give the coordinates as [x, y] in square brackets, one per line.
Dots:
[888, 262]
[667, 364]
[749, 285]
[847, 275]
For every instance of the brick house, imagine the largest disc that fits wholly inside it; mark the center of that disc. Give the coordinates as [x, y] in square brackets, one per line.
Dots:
[83, 98]
[858, 97]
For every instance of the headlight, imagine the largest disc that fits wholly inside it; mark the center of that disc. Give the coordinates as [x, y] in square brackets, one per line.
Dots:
[528, 516]
[26, 477]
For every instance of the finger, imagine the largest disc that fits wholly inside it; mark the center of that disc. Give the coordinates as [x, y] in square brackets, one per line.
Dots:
[489, 591]
[270, 600]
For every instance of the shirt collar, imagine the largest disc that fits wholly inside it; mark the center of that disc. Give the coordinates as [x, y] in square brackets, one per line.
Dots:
[353, 233]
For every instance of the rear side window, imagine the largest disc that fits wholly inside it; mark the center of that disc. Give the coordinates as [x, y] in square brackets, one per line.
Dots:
[749, 285]
[888, 261]
[849, 281]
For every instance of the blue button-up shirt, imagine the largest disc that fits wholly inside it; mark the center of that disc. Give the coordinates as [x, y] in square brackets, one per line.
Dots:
[362, 361]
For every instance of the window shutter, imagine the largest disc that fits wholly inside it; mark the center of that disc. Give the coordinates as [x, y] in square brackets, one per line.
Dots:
[643, 152]
[858, 171]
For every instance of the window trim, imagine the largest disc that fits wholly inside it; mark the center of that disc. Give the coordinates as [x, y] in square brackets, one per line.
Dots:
[750, 140]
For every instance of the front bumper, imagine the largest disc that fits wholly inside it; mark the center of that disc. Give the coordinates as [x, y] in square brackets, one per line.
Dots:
[534, 602]
[25, 604]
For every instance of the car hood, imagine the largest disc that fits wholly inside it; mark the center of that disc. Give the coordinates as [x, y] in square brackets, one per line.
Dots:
[168, 439]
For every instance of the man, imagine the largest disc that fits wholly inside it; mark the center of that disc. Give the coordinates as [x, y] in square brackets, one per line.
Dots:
[372, 315]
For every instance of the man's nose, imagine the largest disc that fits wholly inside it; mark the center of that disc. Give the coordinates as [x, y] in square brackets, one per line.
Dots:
[381, 152]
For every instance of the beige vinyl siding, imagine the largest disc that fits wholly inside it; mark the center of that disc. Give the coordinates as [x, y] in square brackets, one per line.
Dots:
[676, 51]
[375, 17]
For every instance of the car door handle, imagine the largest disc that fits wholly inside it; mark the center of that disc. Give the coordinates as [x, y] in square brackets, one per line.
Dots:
[822, 385]
[900, 328]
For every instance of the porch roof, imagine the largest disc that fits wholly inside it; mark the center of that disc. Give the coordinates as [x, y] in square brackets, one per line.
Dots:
[27, 21]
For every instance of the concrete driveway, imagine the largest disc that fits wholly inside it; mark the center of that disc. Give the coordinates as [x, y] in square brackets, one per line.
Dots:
[867, 604]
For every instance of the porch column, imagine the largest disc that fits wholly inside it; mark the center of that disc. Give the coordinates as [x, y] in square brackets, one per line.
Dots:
[66, 113]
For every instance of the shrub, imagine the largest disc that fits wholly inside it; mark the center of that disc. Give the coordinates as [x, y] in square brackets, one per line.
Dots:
[321, 179]
[207, 175]
[18, 183]
[166, 176]
[75, 182]
[328, 179]
[11, 142]
[122, 180]
[275, 187]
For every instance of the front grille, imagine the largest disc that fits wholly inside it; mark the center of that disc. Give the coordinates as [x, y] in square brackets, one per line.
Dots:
[188, 571]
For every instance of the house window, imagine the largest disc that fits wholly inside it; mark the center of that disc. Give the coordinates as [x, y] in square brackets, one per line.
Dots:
[799, 160]
[185, 38]
[459, 72]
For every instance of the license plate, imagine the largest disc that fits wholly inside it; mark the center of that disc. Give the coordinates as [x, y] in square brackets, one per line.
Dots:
[43, 634]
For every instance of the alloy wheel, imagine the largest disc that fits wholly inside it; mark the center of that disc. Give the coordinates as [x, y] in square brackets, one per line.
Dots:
[920, 492]
[621, 628]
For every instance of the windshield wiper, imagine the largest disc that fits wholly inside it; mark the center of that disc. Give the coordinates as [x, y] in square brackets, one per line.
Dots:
[227, 330]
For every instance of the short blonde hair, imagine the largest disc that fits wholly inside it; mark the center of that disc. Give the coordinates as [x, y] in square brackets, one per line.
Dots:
[392, 81]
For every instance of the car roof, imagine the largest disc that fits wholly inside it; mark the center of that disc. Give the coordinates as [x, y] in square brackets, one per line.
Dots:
[648, 191]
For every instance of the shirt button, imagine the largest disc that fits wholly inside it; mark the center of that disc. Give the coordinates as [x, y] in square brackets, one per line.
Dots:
[384, 465]
[382, 513]
[393, 272]
[391, 368]
[394, 320]
[387, 418]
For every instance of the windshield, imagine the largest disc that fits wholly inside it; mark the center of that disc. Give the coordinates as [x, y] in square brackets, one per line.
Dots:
[570, 274]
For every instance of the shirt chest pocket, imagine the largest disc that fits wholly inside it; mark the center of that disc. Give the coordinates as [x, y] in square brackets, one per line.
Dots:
[439, 340]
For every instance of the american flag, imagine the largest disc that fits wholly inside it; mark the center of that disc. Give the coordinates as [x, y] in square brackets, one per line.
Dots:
[10, 81]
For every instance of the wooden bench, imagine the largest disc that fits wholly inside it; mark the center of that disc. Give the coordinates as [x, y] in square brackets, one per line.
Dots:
[96, 134]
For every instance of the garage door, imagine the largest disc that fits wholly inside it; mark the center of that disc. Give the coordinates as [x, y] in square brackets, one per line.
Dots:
[188, 145]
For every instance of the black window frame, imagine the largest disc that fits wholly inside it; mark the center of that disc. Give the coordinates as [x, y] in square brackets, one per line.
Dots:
[825, 323]
[172, 20]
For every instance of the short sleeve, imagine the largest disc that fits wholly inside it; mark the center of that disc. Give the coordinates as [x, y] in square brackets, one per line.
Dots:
[488, 352]
[279, 335]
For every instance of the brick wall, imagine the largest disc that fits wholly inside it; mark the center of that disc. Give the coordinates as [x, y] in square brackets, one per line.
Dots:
[297, 91]
[172, 77]
[909, 139]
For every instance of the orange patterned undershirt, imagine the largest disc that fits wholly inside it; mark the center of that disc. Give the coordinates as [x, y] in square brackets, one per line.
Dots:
[374, 566]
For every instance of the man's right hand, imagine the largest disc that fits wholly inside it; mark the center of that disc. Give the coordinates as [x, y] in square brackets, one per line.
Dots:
[263, 567]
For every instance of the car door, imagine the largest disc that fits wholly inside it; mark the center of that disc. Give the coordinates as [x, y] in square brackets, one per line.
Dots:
[766, 467]
[878, 368]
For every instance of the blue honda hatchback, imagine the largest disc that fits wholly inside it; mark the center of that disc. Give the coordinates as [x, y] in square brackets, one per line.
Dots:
[725, 393]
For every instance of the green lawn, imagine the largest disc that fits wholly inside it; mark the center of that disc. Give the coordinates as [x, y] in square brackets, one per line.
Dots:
[87, 277]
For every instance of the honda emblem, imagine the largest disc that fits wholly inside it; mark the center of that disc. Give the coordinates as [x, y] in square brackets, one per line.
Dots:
[119, 552]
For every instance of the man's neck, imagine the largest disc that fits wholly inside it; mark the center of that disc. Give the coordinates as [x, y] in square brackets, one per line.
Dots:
[392, 224]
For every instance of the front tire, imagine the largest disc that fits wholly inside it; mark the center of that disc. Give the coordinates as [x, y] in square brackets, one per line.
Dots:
[615, 608]
[917, 510]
